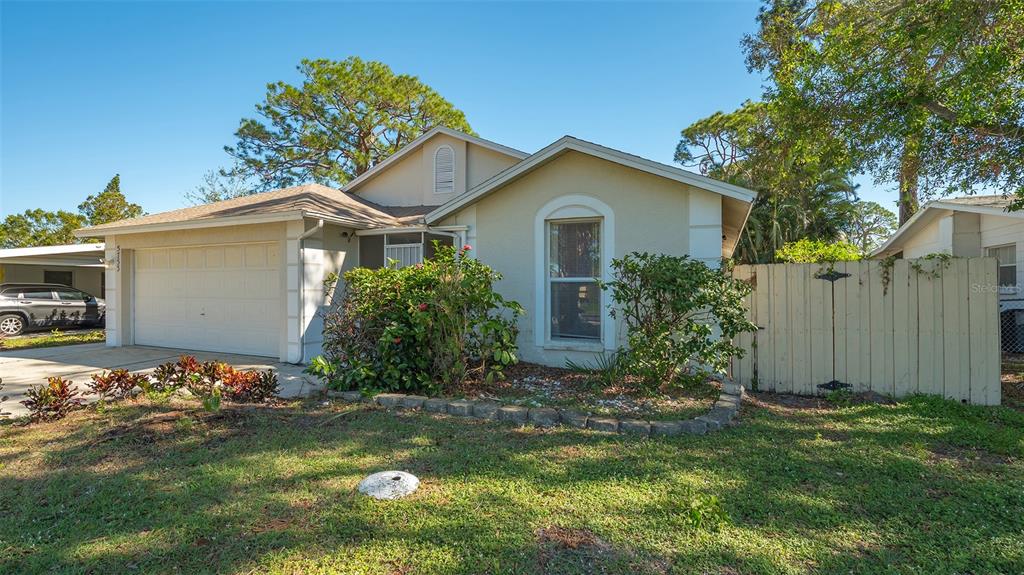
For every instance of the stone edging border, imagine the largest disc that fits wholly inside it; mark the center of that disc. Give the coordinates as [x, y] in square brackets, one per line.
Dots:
[722, 414]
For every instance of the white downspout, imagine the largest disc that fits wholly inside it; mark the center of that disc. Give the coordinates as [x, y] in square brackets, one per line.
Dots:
[302, 287]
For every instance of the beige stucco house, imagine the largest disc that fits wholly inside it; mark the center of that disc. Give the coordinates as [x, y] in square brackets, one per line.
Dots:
[972, 226]
[246, 275]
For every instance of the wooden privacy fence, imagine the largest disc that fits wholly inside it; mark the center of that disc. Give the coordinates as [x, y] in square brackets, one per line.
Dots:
[895, 327]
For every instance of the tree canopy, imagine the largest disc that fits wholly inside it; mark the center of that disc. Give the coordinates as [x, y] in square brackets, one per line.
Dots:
[926, 93]
[110, 205]
[341, 121]
[40, 227]
[802, 180]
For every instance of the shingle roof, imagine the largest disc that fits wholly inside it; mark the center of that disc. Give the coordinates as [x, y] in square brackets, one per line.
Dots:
[308, 198]
[997, 201]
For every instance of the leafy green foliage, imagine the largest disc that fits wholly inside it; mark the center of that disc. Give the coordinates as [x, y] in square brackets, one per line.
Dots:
[110, 205]
[345, 118]
[412, 328]
[605, 370]
[802, 179]
[707, 513]
[116, 384]
[39, 228]
[869, 225]
[42, 228]
[249, 386]
[52, 401]
[671, 307]
[928, 94]
[807, 251]
[185, 372]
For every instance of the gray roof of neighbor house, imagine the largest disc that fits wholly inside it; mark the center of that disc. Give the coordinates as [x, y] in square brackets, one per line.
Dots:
[309, 200]
[999, 201]
[993, 205]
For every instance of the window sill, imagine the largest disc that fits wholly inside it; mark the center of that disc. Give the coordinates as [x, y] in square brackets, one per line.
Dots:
[573, 346]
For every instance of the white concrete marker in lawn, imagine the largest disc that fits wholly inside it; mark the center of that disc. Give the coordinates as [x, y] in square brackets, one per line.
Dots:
[389, 485]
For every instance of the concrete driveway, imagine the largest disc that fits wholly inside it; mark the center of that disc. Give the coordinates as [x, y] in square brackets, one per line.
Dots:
[22, 369]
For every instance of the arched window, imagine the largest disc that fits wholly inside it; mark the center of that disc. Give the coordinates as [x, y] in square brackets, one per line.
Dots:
[444, 170]
[574, 238]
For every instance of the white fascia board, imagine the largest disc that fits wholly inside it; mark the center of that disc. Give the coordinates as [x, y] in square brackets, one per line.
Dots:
[415, 144]
[890, 243]
[410, 229]
[569, 143]
[53, 250]
[192, 224]
[930, 209]
[63, 262]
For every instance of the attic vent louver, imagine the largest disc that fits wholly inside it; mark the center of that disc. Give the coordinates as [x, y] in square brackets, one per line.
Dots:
[444, 170]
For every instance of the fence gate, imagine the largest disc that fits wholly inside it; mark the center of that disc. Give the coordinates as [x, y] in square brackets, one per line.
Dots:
[897, 328]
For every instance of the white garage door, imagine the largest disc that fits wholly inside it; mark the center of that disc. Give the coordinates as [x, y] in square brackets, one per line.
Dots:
[213, 298]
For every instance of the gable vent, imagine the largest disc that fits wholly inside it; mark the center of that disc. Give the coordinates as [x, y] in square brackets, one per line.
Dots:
[444, 170]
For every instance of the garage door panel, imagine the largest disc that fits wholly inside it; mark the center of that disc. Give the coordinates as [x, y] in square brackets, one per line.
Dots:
[216, 298]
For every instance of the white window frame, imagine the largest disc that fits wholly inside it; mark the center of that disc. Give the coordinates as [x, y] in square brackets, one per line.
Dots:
[436, 152]
[1008, 289]
[569, 208]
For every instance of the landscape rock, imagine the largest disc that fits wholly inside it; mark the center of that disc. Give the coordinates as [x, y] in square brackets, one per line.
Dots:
[513, 413]
[436, 405]
[543, 416]
[664, 428]
[460, 407]
[608, 424]
[573, 418]
[635, 426]
[389, 399]
[352, 396]
[413, 401]
[694, 426]
[486, 410]
[389, 485]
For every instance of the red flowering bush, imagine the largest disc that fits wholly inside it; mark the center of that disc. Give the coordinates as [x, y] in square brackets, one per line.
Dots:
[116, 384]
[52, 401]
[249, 386]
[414, 328]
[185, 372]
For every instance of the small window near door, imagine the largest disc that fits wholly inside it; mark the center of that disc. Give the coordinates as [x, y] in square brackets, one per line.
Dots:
[574, 264]
[57, 277]
[1007, 257]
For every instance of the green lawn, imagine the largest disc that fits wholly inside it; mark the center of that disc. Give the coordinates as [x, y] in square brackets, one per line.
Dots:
[925, 487]
[53, 339]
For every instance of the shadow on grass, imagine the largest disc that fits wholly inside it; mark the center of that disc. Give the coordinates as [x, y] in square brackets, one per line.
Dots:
[144, 488]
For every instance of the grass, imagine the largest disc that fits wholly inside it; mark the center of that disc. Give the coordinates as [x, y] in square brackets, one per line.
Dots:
[926, 486]
[53, 339]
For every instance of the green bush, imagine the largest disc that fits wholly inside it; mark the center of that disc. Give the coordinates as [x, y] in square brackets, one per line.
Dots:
[670, 307]
[414, 328]
[808, 251]
[52, 401]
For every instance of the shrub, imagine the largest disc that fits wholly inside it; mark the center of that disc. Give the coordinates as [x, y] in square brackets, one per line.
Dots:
[52, 401]
[808, 251]
[117, 383]
[409, 329]
[175, 375]
[250, 386]
[680, 316]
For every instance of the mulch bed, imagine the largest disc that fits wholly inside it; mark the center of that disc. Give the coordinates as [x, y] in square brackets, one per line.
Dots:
[539, 386]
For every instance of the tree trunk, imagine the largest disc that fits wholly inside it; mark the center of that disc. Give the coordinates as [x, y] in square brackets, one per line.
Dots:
[910, 168]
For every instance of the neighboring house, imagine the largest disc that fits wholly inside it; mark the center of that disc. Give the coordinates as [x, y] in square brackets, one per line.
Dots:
[246, 275]
[972, 226]
[77, 265]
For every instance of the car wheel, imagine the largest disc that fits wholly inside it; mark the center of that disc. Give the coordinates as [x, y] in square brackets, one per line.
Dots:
[11, 324]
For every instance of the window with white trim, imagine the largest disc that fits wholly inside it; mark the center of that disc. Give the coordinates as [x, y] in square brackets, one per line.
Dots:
[573, 266]
[1007, 257]
[444, 170]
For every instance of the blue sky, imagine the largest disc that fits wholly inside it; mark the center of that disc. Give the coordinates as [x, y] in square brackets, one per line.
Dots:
[153, 91]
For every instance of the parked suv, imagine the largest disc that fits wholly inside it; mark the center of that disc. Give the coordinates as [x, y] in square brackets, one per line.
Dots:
[25, 306]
